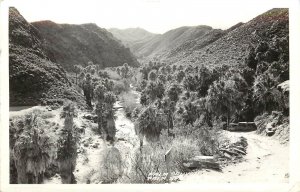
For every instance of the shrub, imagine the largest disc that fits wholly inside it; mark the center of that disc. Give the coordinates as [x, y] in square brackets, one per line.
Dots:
[111, 165]
[149, 166]
[206, 138]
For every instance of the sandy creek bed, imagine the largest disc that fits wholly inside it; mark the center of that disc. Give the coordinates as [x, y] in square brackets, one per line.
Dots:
[92, 147]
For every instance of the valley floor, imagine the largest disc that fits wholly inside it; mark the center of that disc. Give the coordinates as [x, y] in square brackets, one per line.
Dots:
[92, 148]
[267, 161]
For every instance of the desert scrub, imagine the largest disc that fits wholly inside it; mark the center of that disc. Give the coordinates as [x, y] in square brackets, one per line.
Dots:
[32, 146]
[129, 102]
[67, 145]
[206, 138]
[111, 165]
[149, 166]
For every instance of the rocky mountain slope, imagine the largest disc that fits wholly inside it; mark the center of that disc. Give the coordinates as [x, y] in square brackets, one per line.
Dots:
[71, 45]
[33, 78]
[232, 47]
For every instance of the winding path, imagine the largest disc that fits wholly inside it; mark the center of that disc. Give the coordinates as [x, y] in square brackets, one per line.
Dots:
[266, 162]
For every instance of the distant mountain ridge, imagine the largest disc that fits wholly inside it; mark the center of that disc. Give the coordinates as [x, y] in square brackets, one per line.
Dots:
[131, 35]
[232, 47]
[71, 45]
[161, 44]
[133, 38]
[203, 44]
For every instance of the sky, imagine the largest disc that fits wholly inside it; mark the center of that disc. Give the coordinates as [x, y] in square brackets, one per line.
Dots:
[157, 16]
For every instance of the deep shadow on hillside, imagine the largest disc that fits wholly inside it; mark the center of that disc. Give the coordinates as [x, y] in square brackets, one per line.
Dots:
[71, 45]
[33, 78]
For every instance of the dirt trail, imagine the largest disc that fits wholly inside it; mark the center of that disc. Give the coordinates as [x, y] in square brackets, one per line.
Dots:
[266, 161]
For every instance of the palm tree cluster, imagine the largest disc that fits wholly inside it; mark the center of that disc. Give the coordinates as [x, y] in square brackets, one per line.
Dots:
[98, 91]
[185, 94]
[270, 62]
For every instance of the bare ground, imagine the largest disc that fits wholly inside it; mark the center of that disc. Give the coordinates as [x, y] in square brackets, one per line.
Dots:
[266, 162]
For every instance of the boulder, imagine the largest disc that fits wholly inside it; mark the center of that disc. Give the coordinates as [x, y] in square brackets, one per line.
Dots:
[202, 162]
[242, 126]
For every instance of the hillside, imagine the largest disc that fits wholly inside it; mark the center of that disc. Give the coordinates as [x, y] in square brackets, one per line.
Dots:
[203, 44]
[71, 45]
[233, 47]
[162, 44]
[33, 78]
[131, 37]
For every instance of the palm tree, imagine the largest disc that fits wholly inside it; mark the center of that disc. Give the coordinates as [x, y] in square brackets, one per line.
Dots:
[179, 76]
[266, 94]
[190, 83]
[67, 145]
[160, 89]
[204, 79]
[110, 129]
[173, 92]
[151, 91]
[168, 69]
[152, 75]
[88, 89]
[224, 97]
[77, 69]
[169, 109]
[100, 106]
[33, 151]
[174, 68]
[150, 123]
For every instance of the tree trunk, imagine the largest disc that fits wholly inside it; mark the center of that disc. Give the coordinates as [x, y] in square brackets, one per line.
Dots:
[228, 119]
[76, 78]
[88, 100]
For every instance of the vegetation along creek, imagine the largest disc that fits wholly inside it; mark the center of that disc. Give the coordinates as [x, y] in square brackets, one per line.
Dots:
[90, 105]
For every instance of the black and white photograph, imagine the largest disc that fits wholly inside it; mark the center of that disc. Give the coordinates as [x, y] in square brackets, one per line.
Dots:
[147, 92]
